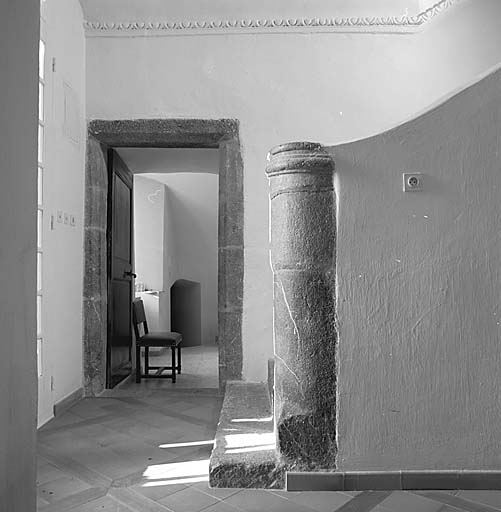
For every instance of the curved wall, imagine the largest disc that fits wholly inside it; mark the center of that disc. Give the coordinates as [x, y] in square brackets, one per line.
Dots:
[283, 87]
[419, 288]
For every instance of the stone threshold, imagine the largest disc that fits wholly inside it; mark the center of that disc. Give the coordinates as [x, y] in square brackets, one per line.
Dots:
[244, 453]
[392, 480]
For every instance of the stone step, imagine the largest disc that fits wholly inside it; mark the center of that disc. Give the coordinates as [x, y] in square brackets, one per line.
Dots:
[244, 453]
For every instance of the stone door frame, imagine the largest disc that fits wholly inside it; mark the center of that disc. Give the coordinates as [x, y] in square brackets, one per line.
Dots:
[222, 134]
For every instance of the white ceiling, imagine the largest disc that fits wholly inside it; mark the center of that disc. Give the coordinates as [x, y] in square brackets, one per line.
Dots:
[162, 10]
[167, 160]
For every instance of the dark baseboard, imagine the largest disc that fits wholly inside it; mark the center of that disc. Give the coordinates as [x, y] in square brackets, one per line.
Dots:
[67, 402]
[392, 480]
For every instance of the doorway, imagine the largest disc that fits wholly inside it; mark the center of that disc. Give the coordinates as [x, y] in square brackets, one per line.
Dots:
[174, 133]
[176, 253]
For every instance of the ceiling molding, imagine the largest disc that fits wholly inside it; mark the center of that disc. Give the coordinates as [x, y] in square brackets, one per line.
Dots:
[262, 25]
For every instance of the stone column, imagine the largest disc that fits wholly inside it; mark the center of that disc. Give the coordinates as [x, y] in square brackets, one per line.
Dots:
[303, 239]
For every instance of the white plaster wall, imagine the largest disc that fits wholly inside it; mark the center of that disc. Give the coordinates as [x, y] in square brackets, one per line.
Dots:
[149, 208]
[419, 289]
[63, 190]
[170, 259]
[19, 25]
[283, 87]
[154, 249]
[193, 206]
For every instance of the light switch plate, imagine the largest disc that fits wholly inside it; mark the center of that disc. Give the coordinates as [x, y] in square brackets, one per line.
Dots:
[59, 216]
[72, 220]
[412, 181]
[66, 218]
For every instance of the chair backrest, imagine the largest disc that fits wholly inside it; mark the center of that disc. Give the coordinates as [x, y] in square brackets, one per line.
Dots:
[139, 317]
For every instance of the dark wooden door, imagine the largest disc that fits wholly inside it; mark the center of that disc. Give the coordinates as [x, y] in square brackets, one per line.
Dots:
[119, 346]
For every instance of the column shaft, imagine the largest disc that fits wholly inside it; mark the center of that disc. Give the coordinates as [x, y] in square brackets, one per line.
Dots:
[303, 237]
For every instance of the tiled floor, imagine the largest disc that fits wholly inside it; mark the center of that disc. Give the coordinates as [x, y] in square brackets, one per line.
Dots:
[199, 370]
[145, 448]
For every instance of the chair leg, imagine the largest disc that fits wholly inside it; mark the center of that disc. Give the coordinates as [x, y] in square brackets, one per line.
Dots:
[179, 359]
[138, 364]
[173, 351]
[146, 360]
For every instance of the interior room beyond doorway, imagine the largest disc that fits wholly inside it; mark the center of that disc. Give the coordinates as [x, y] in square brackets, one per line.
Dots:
[176, 253]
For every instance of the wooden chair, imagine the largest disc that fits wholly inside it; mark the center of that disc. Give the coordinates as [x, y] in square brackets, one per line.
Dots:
[154, 339]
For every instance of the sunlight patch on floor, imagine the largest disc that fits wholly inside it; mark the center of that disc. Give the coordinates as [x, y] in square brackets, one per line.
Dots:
[252, 420]
[176, 473]
[190, 443]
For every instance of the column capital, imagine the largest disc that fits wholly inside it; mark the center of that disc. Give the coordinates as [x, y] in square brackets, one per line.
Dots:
[299, 157]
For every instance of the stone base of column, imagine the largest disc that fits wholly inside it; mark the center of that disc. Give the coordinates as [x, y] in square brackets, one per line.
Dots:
[308, 442]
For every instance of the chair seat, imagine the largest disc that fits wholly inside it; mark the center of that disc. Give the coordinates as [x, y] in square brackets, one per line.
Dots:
[160, 339]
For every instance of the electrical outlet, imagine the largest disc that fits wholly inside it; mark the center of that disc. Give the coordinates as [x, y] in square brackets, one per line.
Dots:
[59, 216]
[412, 182]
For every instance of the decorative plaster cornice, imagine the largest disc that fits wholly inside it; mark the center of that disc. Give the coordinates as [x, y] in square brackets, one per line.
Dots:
[346, 24]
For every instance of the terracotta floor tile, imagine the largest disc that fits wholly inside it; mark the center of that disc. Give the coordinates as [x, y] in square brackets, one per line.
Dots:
[41, 503]
[188, 500]
[46, 472]
[318, 501]
[219, 493]
[104, 504]
[491, 498]
[109, 463]
[60, 488]
[75, 500]
[257, 500]
[221, 506]
[90, 407]
[158, 492]
[401, 500]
